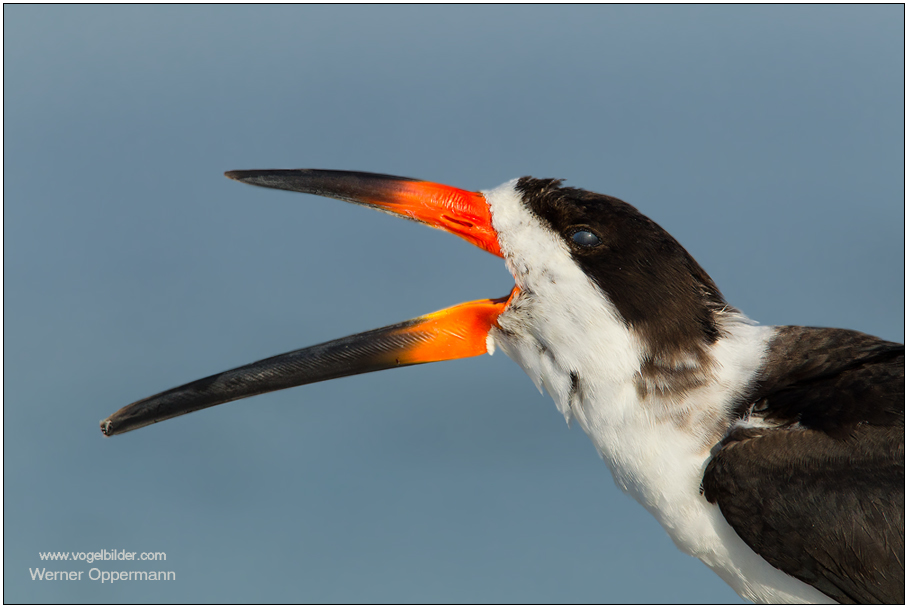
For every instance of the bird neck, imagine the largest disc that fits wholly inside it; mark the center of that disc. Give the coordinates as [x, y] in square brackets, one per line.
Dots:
[652, 418]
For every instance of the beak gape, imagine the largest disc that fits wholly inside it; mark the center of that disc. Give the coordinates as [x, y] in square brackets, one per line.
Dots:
[452, 333]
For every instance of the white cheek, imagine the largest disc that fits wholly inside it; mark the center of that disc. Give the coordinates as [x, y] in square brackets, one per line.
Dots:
[560, 323]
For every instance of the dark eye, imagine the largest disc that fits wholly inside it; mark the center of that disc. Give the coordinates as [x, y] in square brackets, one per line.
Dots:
[585, 238]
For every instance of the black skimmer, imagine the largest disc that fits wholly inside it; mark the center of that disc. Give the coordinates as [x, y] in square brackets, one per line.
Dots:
[773, 454]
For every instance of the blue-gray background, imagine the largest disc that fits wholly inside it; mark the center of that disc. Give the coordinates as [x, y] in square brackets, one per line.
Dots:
[768, 140]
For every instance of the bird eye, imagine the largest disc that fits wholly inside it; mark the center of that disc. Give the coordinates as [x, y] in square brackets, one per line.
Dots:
[585, 238]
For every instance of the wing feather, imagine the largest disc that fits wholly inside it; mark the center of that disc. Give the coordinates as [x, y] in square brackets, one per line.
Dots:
[818, 489]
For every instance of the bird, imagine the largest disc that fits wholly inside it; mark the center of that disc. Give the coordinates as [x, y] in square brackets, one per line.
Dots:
[774, 454]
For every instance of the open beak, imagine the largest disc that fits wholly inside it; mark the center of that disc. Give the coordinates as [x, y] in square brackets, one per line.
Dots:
[452, 333]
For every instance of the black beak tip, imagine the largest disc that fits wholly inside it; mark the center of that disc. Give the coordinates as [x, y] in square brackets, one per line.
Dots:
[238, 175]
[281, 179]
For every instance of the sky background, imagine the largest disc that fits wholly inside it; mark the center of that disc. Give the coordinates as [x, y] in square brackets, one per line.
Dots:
[767, 139]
